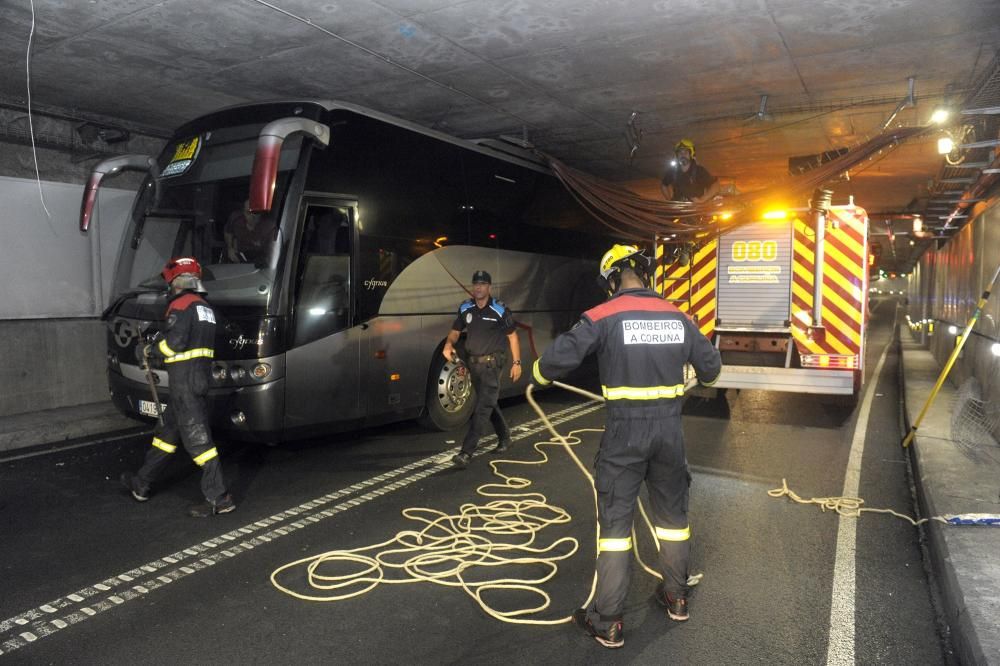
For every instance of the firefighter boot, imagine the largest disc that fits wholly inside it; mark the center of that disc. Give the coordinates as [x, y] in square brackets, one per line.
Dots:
[677, 607]
[612, 637]
[224, 504]
[134, 486]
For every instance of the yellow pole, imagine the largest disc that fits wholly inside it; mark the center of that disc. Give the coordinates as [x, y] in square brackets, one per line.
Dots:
[951, 359]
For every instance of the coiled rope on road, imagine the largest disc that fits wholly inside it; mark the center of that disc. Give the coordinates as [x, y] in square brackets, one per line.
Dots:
[454, 550]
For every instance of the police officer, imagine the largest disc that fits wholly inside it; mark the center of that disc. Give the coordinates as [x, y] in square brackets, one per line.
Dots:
[486, 322]
[643, 343]
[186, 348]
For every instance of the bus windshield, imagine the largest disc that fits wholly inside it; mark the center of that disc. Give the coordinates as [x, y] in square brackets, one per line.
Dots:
[200, 209]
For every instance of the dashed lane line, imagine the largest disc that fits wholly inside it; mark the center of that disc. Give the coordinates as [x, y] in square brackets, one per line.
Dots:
[37, 623]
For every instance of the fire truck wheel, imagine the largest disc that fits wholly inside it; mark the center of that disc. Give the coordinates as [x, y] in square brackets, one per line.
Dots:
[450, 396]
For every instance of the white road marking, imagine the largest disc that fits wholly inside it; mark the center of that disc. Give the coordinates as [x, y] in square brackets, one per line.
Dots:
[840, 648]
[162, 571]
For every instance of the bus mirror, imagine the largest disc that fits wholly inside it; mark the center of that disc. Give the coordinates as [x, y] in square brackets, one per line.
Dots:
[265, 160]
[109, 167]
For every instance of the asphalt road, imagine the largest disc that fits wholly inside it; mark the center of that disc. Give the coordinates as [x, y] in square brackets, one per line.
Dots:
[88, 576]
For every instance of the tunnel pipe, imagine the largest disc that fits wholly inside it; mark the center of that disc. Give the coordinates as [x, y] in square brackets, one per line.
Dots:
[820, 204]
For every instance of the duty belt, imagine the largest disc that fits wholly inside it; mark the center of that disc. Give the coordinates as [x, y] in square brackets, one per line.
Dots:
[485, 358]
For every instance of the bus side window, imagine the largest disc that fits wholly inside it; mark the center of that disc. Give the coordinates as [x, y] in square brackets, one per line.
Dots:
[322, 304]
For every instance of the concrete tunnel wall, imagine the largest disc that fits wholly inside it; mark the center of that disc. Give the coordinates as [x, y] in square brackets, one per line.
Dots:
[56, 280]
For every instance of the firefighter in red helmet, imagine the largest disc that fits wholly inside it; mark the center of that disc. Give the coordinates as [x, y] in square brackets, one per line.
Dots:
[186, 348]
[642, 343]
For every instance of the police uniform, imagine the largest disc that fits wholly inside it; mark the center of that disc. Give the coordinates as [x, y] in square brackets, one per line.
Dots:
[486, 330]
[187, 348]
[642, 342]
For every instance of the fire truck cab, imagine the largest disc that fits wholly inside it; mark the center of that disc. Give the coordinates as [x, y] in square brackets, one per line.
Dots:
[783, 298]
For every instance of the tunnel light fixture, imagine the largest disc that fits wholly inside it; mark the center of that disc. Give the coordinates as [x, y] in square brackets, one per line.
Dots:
[940, 115]
[952, 330]
[945, 145]
[918, 224]
[995, 349]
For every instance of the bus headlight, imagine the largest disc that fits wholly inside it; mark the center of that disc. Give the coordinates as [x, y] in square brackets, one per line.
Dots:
[219, 373]
[261, 370]
[236, 373]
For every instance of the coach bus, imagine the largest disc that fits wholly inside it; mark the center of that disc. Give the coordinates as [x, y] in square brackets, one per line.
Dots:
[374, 228]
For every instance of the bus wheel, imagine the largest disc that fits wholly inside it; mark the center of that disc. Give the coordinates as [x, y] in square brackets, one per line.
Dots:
[449, 395]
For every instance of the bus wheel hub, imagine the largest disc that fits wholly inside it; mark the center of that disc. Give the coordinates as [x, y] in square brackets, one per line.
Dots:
[454, 387]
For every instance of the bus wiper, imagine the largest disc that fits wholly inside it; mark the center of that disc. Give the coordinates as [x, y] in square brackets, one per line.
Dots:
[124, 296]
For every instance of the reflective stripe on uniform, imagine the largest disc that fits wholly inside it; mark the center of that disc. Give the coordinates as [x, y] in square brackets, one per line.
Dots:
[663, 534]
[206, 456]
[614, 545]
[642, 392]
[538, 375]
[203, 352]
[165, 349]
[163, 446]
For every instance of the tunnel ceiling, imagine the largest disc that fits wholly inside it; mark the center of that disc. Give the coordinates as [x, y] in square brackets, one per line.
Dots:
[567, 74]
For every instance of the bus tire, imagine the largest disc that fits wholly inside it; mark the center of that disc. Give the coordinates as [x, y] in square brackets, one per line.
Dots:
[450, 396]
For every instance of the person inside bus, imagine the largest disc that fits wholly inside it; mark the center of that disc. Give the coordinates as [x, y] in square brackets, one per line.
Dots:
[486, 322]
[248, 236]
[685, 179]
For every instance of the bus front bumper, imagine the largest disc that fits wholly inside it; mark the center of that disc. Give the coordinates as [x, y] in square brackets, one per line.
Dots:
[247, 413]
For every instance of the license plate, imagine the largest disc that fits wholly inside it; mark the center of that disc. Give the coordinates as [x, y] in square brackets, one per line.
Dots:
[148, 408]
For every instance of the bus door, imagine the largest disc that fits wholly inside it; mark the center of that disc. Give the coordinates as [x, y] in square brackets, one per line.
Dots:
[323, 365]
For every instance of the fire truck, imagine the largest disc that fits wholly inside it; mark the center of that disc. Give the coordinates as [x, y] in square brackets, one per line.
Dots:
[784, 298]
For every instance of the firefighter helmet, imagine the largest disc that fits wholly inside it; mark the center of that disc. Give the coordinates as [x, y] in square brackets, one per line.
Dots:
[186, 271]
[618, 258]
[685, 144]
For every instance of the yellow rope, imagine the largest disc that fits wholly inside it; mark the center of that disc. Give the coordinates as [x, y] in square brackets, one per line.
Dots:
[845, 506]
[449, 549]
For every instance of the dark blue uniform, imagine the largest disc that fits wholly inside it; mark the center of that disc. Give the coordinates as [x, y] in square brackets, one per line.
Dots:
[486, 330]
[642, 342]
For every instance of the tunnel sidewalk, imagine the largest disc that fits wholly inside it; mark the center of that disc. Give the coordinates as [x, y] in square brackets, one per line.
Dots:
[964, 558]
[36, 430]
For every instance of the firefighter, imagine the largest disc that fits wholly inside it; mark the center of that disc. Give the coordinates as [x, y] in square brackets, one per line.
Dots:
[685, 179]
[643, 343]
[186, 349]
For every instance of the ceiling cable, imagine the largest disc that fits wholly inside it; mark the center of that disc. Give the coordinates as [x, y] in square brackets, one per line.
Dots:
[31, 127]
